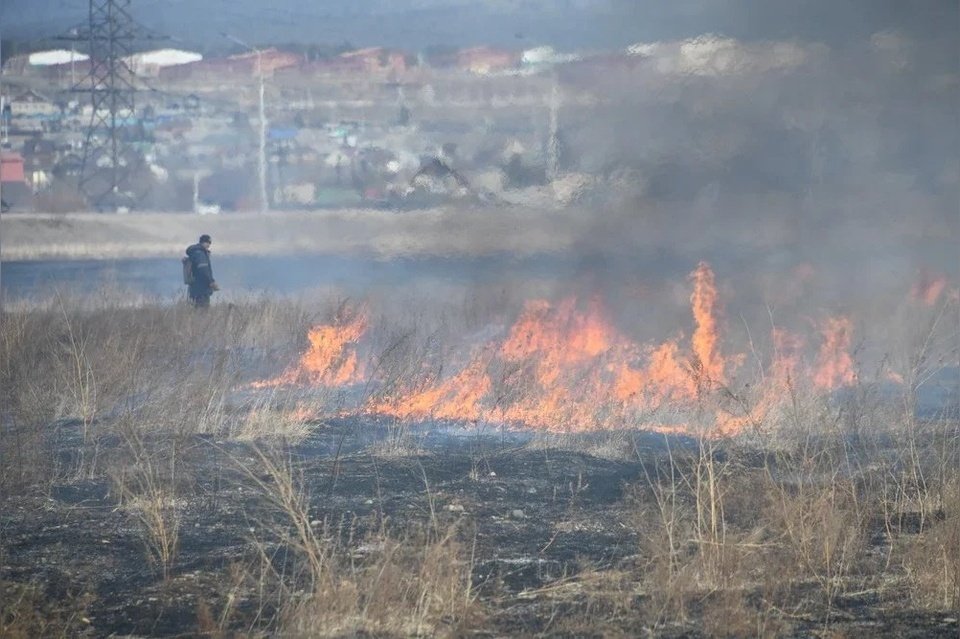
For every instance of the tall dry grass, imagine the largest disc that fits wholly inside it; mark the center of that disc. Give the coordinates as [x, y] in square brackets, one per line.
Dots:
[414, 581]
[741, 534]
[78, 367]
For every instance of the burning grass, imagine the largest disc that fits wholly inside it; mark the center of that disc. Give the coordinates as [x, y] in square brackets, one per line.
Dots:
[566, 366]
[465, 468]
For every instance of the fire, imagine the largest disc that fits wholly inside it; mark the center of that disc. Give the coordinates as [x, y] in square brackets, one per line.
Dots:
[664, 378]
[928, 288]
[566, 366]
[707, 356]
[457, 398]
[330, 360]
[787, 357]
[834, 365]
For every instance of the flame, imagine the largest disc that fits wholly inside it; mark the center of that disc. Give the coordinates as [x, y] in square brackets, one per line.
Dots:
[787, 357]
[665, 377]
[565, 366]
[928, 288]
[457, 398]
[709, 362]
[330, 360]
[834, 366]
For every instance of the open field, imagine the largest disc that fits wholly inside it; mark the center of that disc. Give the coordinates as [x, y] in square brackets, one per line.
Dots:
[374, 232]
[270, 468]
[459, 231]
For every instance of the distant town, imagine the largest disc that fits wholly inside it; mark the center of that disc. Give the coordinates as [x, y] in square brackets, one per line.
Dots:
[366, 127]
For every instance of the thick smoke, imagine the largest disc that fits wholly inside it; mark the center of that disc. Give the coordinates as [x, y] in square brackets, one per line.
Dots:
[766, 157]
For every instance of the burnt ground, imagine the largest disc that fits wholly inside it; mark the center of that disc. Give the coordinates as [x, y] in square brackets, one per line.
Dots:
[535, 516]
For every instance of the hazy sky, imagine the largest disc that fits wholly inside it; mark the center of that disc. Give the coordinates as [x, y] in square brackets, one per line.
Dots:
[562, 23]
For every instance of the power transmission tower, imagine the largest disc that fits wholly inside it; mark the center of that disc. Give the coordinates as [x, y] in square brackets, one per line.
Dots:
[109, 157]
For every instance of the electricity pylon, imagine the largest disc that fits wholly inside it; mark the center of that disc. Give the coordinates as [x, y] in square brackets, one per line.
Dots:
[109, 158]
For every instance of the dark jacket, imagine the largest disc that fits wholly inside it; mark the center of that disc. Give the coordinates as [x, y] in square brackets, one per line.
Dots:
[202, 271]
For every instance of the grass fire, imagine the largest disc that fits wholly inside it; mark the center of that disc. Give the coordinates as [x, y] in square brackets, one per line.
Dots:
[472, 464]
[564, 367]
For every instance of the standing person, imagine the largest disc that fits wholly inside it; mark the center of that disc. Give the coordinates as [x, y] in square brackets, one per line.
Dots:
[202, 285]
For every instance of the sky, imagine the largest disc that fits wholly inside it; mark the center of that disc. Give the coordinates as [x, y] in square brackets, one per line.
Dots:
[564, 24]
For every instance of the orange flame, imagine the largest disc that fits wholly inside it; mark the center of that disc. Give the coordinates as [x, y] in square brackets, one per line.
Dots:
[704, 302]
[787, 357]
[331, 359]
[834, 365]
[928, 288]
[457, 398]
[565, 366]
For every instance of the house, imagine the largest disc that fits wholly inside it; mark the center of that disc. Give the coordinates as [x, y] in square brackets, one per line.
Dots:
[295, 194]
[15, 193]
[361, 61]
[545, 57]
[55, 64]
[376, 59]
[11, 167]
[149, 63]
[39, 158]
[485, 60]
[33, 104]
[242, 64]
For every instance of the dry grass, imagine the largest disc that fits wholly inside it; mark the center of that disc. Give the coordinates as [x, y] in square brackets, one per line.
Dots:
[25, 613]
[146, 485]
[739, 535]
[97, 363]
[612, 445]
[417, 582]
[265, 422]
[403, 587]
[931, 560]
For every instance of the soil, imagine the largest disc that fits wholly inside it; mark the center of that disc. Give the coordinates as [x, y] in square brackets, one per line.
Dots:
[537, 515]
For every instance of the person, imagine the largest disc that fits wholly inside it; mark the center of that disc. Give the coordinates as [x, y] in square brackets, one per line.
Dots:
[202, 285]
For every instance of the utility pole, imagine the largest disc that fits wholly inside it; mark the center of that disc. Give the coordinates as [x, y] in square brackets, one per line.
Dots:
[262, 164]
[553, 143]
[3, 124]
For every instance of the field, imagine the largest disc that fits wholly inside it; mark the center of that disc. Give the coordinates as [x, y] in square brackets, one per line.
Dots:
[334, 467]
[372, 232]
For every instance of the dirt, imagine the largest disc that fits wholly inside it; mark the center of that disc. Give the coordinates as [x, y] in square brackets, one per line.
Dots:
[537, 515]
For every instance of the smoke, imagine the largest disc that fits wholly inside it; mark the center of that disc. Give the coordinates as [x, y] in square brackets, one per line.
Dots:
[782, 153]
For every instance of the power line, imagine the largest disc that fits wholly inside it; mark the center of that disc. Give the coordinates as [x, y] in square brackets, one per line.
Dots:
[109, 153]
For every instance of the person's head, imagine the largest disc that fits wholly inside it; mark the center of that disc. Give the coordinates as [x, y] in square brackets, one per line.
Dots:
[205, 241]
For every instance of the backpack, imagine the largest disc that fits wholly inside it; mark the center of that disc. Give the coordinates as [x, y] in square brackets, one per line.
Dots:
[187, 270]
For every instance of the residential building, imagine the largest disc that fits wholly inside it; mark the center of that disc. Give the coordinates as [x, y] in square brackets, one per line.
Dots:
[31, 104]
[485, 60]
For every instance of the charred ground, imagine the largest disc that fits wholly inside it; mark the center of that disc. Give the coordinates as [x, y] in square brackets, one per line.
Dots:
[552, 527]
